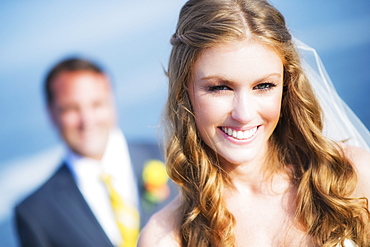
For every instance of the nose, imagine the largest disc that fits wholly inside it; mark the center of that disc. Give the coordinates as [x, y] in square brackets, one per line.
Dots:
[86, 117]
[244, 108]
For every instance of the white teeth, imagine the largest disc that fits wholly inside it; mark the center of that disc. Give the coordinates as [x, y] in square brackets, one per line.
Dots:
[240, 134]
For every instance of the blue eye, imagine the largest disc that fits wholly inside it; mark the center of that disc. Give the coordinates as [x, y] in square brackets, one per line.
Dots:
[265, 86]
[218, 88]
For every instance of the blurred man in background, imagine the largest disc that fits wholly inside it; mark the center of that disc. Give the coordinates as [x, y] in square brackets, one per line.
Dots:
[94, 198]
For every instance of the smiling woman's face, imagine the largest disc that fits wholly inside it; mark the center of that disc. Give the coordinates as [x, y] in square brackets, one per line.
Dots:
[236, 93]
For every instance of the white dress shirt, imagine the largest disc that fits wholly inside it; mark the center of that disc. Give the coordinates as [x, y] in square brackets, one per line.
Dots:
[87, 172]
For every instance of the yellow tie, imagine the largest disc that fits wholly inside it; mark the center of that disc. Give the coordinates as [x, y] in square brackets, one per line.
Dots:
[127, 216]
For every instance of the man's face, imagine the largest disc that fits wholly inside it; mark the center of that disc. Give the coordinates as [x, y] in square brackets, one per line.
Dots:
[83, 111]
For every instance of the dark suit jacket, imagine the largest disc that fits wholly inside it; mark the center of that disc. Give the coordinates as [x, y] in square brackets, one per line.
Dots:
[56, 214]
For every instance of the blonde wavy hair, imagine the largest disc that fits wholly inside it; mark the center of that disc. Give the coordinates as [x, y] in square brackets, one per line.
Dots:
[323, 176]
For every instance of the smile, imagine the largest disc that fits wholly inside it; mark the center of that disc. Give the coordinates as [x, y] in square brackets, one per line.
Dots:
[239, 134]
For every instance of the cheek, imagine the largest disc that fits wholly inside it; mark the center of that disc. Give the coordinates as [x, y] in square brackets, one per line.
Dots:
[69, 120]
[209, 112]
[270, 109]
[104, 115]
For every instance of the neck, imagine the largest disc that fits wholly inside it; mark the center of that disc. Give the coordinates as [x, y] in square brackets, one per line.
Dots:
[256, 178]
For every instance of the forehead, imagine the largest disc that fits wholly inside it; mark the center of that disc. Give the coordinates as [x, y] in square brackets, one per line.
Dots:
[79, 83]
[239, 59]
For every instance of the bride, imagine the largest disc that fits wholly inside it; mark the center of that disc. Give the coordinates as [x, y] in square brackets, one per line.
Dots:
[263, 150]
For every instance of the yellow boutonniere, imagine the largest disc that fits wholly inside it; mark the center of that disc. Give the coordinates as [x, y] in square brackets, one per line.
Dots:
[155, 180]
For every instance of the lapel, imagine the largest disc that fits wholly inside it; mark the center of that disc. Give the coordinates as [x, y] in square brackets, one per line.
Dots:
[140, 154]
[76, 211]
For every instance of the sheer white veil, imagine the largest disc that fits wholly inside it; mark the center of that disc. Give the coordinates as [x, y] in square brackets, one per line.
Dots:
[340, 123]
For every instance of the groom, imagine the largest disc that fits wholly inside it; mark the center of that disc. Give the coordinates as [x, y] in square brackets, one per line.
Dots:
[73, 208]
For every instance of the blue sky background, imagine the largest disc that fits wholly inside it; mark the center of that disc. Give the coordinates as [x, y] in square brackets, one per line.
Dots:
[131, 39]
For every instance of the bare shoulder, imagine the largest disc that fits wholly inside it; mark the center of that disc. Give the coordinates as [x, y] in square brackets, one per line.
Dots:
[360, 160]
[162, 228]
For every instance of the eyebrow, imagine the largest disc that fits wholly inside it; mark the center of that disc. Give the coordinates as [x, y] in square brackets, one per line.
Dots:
[217, 77]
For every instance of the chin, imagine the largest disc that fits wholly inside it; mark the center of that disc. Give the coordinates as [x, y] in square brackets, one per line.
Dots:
[95, 151]
[235, 161]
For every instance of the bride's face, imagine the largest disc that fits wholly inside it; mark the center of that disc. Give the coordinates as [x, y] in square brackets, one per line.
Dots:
[236, 94]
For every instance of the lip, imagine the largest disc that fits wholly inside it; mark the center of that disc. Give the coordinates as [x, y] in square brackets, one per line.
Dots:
[89, 134]
[240, 135]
